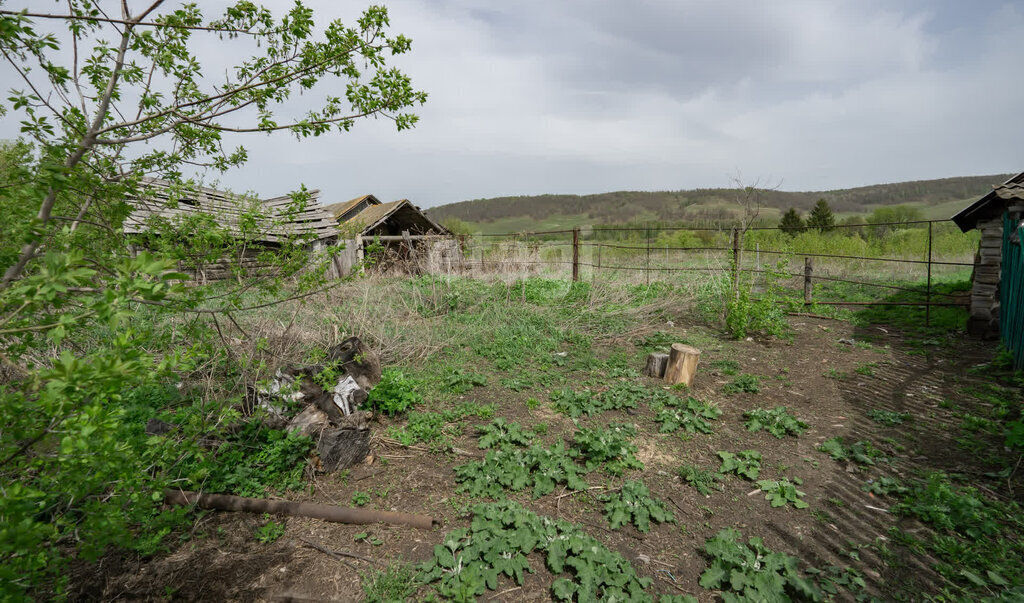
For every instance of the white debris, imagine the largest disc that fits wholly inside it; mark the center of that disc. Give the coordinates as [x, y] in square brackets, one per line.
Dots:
[282, 388]
[343, 393]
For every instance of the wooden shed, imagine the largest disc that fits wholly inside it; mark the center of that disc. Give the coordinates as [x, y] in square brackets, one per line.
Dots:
[997, 297]
[410, 238]
[367, 217]
[278, 221]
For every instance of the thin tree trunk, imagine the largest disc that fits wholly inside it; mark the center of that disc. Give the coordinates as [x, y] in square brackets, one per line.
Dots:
[28, 251]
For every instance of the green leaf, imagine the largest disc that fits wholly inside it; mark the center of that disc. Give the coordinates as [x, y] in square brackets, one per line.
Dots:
[713, 576]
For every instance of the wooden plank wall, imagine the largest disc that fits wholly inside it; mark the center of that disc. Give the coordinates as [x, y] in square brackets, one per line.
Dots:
[988, 274]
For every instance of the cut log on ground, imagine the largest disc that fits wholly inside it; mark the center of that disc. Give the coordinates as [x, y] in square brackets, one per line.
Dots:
[682, 364]
[656, 364]
[228, 502]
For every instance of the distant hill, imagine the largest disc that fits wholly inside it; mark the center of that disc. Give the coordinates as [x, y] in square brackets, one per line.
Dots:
[937, 199]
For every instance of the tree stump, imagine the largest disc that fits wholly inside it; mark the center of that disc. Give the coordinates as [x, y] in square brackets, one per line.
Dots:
[656, 363]
[343, 446]
[682, 364]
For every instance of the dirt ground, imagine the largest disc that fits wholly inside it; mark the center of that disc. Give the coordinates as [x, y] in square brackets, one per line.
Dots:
[222, 561]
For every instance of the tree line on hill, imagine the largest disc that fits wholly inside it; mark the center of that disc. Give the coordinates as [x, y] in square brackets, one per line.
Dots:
[710, 204]
[821, 218]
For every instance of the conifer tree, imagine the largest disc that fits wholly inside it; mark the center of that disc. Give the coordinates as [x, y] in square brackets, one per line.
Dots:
[821, 217]
[791, 223]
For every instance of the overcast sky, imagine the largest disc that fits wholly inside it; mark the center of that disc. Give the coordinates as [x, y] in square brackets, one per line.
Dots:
[540, 96]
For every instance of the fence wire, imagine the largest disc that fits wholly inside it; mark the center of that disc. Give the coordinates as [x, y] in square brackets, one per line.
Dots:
[560, 249]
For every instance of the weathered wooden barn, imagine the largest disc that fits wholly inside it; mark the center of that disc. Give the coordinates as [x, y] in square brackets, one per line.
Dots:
[368, 217]
[407, 236]
[997, 289]
[259, 223]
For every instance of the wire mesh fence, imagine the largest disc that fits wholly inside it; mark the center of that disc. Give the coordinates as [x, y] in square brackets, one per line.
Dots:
[884, 258]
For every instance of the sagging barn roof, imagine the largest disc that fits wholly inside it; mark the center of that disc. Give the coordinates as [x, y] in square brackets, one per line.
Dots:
[343, 211]
[161, 198]
[367, 216]
[992, 204]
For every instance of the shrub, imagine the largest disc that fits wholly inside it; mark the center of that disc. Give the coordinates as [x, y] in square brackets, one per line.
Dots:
[394, 395]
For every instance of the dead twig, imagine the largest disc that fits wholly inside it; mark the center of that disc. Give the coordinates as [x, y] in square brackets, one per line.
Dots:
[397, 444]
[1009, 478]
[560, 496]
[505, 592]
[327, 551]
[810, 315]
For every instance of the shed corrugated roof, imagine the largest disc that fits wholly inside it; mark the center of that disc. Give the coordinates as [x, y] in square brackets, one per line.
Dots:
[1010, 191]
[968, 217]
[227, 209]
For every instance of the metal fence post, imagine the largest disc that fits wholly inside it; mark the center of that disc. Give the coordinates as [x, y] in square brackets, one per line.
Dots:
[576, 253]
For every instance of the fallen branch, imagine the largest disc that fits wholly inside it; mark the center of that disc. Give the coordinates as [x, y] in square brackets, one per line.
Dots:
[397, 444]
[560, 496]
[809, 315]
[336, 554]
[227, 502]
[331, 554]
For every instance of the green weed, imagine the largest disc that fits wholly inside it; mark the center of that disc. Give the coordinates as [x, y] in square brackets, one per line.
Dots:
[751, 571]
[780, 492]
[459, 381]
[726, 367]
[270, 531]
[515, 469]
[777, 421]
[746, 463]
[693, 415]
[517, 384]
[750, 384]
[501, 536]
[861, 452]
[703, 480]
[394, 395]
[888, 417]
[633, 504]
[438, 429]
[396, 582]
[866, 369]
[833, 373]
[885, 486]
[501, 433]
[610, 447]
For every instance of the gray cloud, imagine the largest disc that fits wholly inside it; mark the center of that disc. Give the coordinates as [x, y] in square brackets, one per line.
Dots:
[536, 96]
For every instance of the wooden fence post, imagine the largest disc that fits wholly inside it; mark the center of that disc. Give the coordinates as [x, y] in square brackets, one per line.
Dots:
[576, 253]
[808, 286]
[928, 291]
[360, 253]
[736, 262]
[647, 272]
